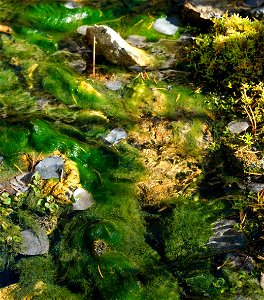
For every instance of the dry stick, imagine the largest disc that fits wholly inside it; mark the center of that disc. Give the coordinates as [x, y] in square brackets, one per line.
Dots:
[94, 42]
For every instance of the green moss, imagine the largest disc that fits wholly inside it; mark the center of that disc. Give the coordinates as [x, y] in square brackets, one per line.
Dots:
[231, 54]
[8, 80]
[13, 140]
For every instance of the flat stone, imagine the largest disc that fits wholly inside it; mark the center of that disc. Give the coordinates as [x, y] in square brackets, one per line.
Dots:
[114, 85]
[115, 136]
[50, 167]
[165, 26]
[34, 243]
[238, 126]
[83, 199]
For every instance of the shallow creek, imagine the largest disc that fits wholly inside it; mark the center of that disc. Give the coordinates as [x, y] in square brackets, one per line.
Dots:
[134, 139]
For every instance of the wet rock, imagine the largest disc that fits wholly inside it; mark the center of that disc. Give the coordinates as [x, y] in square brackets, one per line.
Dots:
[114, 85]
[34, 243]
[83, 199]
[202, 11]
[225, 237]
[138, 41]
[1, 159]
[115, 136]
[50, 167]
[238, 126]
[255, 187]
[166, 25]
[114, 48]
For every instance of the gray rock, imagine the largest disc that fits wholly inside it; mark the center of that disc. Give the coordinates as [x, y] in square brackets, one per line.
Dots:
[1, 159]
[114, 85]
[165, 26]
[225, 237]
[237, 126]
[255, 187]
[114, 48]
[50, 167]
[83, 199]
[115, 136]
[34, 243]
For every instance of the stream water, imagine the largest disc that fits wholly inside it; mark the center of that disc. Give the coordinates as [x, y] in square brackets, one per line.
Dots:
[136, 139]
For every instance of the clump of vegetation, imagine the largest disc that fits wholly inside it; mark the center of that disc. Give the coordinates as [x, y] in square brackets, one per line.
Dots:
[231, 54]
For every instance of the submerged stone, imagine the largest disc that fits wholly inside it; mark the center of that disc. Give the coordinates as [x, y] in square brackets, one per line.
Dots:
[238, 126]
[50, 167]
[114, 85]
[34, 243]
[225, 237]
[166, 26]
[83, 199]
[115, 136]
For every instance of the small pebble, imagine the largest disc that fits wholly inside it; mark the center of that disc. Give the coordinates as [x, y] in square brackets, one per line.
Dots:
[165, 26]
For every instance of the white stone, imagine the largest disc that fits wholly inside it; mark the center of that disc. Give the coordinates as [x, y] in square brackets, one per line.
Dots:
[83, 199]
[164, 26]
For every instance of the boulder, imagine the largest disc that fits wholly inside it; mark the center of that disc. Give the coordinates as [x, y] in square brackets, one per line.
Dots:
[114, 48]
[34, 243]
